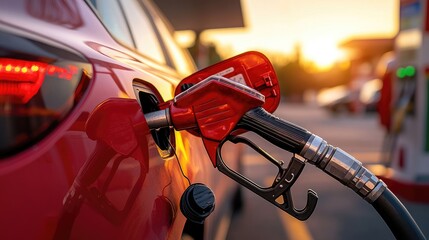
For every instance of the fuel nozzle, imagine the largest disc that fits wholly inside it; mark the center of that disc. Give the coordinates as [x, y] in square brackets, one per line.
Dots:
[217, 108]
[209, 109]
[214, 93]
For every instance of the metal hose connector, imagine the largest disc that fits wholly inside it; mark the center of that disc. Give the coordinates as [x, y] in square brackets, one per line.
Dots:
[343, 167]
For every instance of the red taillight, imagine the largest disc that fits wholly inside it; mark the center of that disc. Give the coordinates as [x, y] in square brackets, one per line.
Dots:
[40, 84]
[20, 80]
[34, 97]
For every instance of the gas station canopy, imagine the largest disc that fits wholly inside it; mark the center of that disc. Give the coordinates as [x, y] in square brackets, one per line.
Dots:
[199, 15]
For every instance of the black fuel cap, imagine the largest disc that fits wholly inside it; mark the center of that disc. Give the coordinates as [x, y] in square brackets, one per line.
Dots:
[197, 202]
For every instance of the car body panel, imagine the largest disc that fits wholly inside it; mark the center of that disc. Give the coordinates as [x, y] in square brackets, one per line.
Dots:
[99, 174]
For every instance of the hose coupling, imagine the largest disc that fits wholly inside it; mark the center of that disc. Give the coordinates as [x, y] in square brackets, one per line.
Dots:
[343, 167]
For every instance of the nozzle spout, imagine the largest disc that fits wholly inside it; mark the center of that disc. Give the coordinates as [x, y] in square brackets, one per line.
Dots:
[158, 119]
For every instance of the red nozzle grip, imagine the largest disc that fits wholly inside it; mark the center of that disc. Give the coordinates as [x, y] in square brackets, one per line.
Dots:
[214, 109]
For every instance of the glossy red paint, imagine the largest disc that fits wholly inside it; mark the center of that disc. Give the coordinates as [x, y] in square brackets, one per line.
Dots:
[99, 173]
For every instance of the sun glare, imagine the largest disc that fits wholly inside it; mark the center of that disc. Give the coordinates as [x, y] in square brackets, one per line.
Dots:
[322, 55]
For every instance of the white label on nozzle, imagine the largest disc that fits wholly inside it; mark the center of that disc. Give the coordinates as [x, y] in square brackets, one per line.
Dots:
[239, 78]
[224, 80]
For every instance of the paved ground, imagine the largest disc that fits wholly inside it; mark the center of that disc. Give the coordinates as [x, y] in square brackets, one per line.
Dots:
[340, 213]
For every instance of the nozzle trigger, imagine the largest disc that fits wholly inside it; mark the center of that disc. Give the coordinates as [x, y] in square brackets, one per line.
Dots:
[280, 188]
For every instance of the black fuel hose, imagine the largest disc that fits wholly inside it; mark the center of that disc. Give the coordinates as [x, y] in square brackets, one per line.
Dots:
[397, 217]
[279, 132]
[339, 165]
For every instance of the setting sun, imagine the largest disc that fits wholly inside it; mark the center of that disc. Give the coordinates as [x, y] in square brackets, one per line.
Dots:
[324, 55]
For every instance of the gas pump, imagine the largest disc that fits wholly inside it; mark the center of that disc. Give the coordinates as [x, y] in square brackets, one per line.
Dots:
[407, 172]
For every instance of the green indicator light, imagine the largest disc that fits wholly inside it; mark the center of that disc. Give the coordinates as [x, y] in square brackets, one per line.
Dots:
[400, 73]
[410, 71]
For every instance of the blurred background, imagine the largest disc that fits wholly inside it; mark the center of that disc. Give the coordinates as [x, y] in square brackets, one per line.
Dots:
[353, 72]
[313, 46]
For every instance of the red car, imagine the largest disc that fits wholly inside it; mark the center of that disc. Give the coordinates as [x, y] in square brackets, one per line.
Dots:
[77, 159]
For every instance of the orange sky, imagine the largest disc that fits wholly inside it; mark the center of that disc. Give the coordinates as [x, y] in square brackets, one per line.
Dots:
[317, 25]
